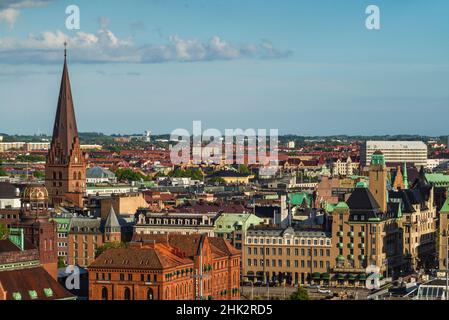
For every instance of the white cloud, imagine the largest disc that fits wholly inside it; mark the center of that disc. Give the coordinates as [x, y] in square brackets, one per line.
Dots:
[9, 9]
[105, 46]
[10, 16]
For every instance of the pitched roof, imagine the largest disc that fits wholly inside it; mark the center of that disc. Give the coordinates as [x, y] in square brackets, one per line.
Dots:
[189, 244]
[65, 130]
[111, 220]
[36, 279]
[99, 172]
[362, 199]
[157, 257]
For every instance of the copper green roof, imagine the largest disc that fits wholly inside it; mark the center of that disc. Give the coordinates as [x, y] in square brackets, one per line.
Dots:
[297, 199]
[378, 158]
[445, 208]
[361, 184]
[227, 222]
[342, 205]
[438, 179]
[330, 207]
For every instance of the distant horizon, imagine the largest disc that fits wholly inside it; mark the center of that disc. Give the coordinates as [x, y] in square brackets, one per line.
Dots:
[280, 135]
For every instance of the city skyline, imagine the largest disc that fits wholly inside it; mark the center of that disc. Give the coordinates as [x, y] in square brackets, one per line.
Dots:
[283, 69]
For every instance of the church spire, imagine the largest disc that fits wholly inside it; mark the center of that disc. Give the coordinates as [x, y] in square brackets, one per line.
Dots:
[65, 171]
[405, 175]
[65, 131]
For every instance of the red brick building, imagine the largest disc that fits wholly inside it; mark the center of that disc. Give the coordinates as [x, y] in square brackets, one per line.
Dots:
[65, 170]
[167, 267]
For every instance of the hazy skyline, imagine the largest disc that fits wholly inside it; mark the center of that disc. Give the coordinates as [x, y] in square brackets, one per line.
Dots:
[303, 67]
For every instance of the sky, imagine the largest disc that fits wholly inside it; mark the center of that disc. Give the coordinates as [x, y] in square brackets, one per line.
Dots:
[306, 67]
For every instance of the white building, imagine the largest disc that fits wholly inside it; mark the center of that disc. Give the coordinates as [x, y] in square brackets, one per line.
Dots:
[344, 167]
[413, 152]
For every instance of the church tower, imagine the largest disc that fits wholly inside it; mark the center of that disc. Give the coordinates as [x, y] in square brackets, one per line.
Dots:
[112, 228]
[65, 171]
[378, 180]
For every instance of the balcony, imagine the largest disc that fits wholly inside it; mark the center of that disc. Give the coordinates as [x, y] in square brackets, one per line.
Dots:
[340, 233]
[351, 234]
[362, 257]
[362, 234]
[351, 245]
[340, 245]
[362, 245]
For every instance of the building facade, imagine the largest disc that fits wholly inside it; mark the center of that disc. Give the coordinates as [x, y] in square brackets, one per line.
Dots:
[173, 267]
[395, 152]
[183, 223]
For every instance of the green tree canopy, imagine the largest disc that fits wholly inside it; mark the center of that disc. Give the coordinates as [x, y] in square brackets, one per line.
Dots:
[107, 246]
[39, 174]
[300, 294]
[243, 169]
[30, 158]
[193, 173]
[4, 232]
[129, 175]
[3, 173]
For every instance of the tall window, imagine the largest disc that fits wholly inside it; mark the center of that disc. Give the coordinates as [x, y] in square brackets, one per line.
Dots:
[104, 293]
[127, 294]
[150, 294]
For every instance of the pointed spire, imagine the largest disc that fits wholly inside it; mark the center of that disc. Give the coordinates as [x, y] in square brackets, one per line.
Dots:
[65, 131]
[111, 220]
[405, 175]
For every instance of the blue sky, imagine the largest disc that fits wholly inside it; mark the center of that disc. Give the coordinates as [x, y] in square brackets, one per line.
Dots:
[303, 67]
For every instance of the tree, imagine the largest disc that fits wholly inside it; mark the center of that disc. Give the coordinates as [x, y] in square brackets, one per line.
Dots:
[218, 180]
[4, 232]
[129, 175]
[300, 294]
[61, 263]
[39, 174]
[193, 173]
[3, 173]
[107, 246]
[243, 169]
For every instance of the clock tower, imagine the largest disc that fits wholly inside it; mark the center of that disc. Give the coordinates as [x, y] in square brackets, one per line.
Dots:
[65, 170]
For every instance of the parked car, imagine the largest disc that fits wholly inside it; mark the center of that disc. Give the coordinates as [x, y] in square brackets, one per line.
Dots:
[325, 291]
[314, 288]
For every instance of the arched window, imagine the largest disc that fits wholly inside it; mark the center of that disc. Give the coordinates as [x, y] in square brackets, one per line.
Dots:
[104, 293]
[79, 175]
[150, 294]
[74, 176]
[127, 294]
[60, 175]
